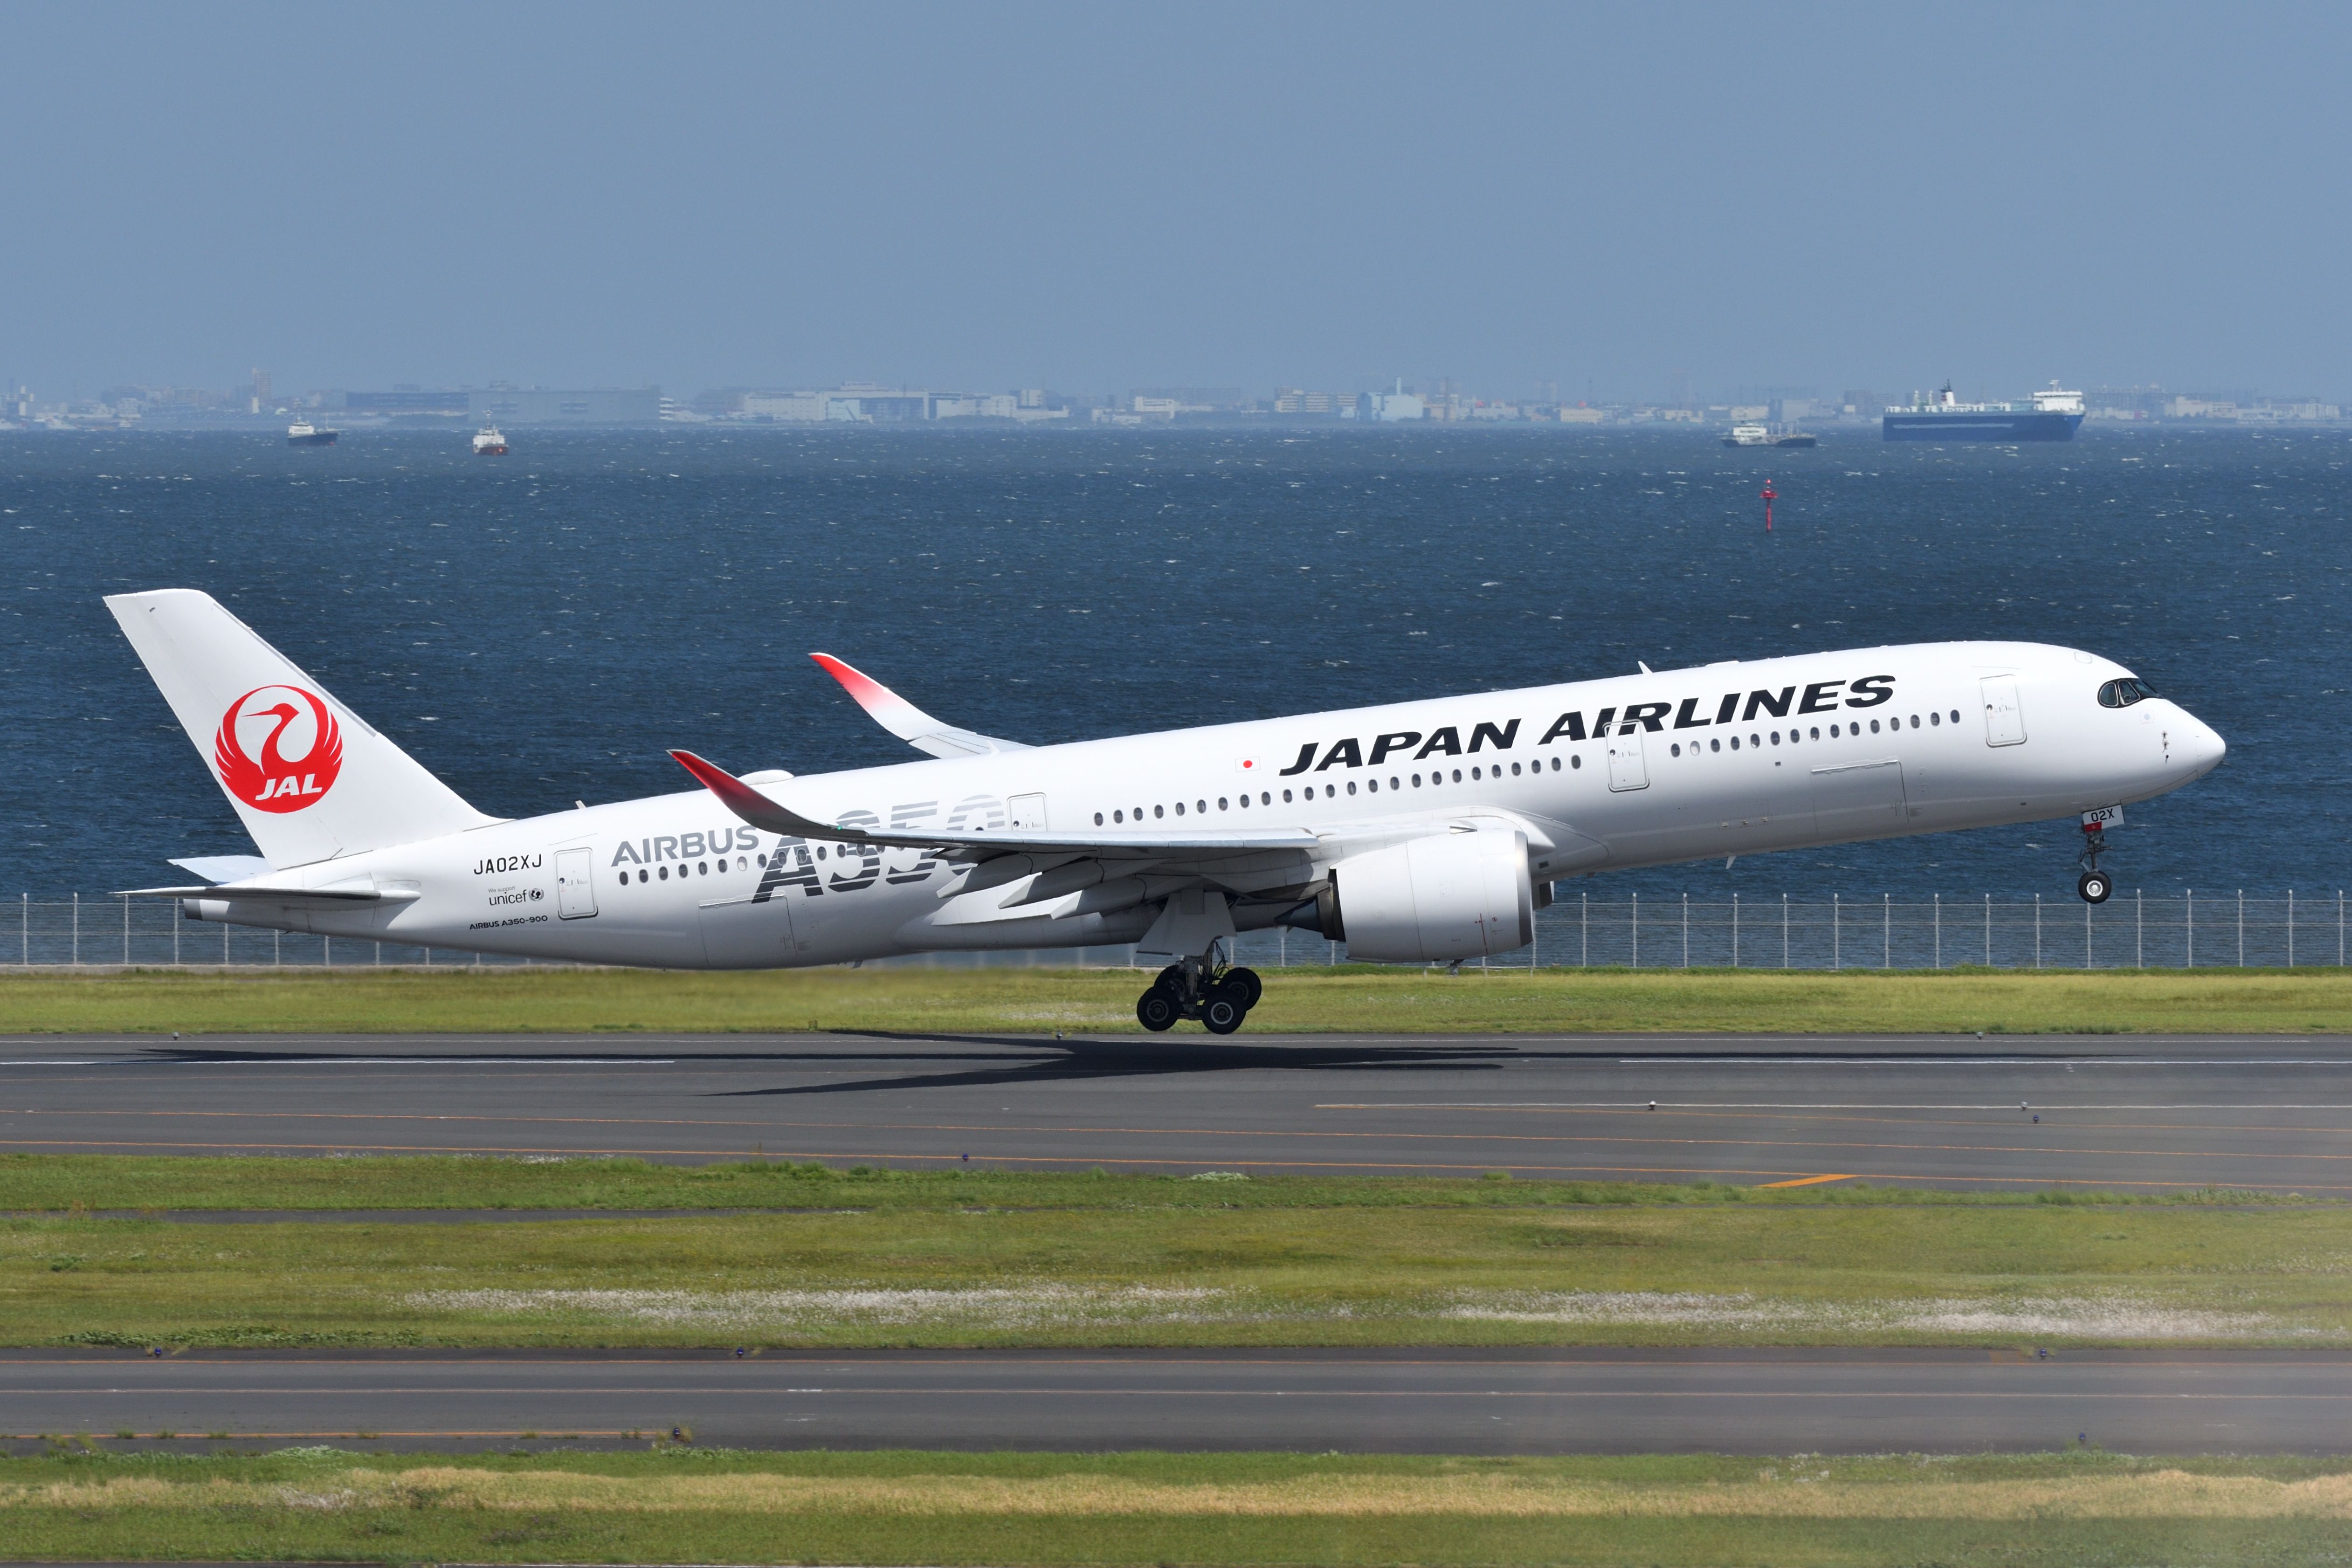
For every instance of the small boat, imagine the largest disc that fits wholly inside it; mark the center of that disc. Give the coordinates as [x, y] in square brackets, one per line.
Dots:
[489, 443]
[304, 433]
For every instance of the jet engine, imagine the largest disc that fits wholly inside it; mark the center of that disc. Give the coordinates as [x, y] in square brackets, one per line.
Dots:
[1446, 896]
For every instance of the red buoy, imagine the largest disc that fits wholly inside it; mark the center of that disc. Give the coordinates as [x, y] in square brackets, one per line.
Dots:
[1770, 494]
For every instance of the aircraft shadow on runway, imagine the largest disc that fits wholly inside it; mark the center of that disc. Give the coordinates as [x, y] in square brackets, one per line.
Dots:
[1042, 1061]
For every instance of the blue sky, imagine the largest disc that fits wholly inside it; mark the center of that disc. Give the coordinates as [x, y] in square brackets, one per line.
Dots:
[1095, 197]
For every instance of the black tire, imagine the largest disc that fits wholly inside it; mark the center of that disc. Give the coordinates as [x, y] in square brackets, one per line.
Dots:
[1156, 1009]
[1246, 985]
[2096, 886]
[1222, 1014]
[1171, 979]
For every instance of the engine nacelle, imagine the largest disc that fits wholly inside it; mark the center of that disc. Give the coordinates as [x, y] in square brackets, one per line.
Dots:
[1442, 897]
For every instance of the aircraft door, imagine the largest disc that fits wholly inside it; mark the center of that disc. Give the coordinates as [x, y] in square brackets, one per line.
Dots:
[1628, 768]
[2004, 718]
[576, 886]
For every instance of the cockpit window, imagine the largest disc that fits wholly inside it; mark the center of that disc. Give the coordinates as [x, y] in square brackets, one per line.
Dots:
[2123, 693]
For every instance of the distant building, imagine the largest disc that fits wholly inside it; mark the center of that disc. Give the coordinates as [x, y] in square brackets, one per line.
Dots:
[542, 406]
[407, 400]
[1299, 402]
[1391, 408]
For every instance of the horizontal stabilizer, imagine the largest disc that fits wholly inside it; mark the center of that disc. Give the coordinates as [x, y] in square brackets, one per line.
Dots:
[353, 893]
[907, 722]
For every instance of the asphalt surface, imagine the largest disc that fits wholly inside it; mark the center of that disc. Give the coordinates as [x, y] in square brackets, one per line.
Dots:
[1417, 1401]
[2115, 1112]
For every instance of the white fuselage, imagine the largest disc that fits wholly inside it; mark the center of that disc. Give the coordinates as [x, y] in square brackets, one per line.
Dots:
[1635, 770]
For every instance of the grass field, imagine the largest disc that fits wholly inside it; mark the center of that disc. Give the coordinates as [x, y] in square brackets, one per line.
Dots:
[1038, 1001]
[1009, 1259]
[686, 1505]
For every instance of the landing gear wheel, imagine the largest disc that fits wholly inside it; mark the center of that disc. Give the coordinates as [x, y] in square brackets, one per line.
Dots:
[2093, 886]
[1156, 1009]
[1244, 984]
[1222, 1013]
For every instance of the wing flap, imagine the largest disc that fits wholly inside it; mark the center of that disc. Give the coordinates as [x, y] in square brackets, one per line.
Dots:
[766, 814]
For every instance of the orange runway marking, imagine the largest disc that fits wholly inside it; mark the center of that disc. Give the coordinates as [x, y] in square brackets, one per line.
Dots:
[1809, 1181]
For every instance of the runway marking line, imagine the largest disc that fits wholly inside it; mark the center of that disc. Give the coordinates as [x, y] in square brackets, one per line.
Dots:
[1809, 1181]
[1151, 1131]
[1009, 1161]
[1153, 1393]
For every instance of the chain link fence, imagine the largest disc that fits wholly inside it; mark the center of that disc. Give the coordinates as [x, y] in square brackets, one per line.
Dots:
[2133, 930]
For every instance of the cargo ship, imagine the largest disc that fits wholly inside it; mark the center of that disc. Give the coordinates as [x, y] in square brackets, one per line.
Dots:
[2051, 415]
[305, 433]
[489, 443]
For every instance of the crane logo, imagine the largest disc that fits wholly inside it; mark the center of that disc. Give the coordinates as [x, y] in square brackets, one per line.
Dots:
[278, 748]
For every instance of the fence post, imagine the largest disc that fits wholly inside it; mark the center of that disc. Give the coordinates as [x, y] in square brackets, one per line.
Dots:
[1685, 930]
[2190, 919]
[77, 930]
[278, 949]
[2242, 928]
[1987, 930]
[24, 923]
[1939, 931]
[1584, 942]
[176, 933]
[2086, 935]
[1784, 931]
[2290, 929]
[1637, 931]
[1735, 930]
[1837, 935]
[126, 934]
[2139, 931]
[2037, 931]
[1282, 946]
[1886, 931]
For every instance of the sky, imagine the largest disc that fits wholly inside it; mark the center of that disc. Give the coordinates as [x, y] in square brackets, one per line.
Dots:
[1095, 197]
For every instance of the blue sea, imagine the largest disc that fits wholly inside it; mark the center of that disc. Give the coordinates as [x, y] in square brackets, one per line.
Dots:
[539, 628]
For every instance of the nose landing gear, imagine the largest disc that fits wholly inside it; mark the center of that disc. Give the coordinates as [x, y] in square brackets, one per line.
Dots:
[2093, 885]
[1219, 998]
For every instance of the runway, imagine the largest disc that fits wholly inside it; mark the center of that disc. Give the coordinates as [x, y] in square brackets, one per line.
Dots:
[2130, 1113]
[1414, 1401]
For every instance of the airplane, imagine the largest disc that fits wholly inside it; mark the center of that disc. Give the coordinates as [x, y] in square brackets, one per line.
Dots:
[1415, 833]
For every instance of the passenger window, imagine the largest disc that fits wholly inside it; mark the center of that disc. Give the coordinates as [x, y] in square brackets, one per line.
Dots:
[641, 876]
[1162, 810]
[665, 873]
[1956, 716]
[1457, 775]
[1394, 785]
[1351, 785]
[1776, 737]
[1934, 718]
[1265, 797]
[1416, 781]
[1200, 805]
[1873, 727]
[1576, 761]
[1675, 749]
[1555, 765]
[1221, 804]
[1735, 743]
[1834, 732]
[1914, 721]
[1097, 819]
[1285, 797]
[1373, 785]
[1715, 745]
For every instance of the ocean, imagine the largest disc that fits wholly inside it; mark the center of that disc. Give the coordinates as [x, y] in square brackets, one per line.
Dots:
[539, 628]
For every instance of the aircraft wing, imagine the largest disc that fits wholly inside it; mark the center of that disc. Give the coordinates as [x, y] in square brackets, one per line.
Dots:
[907, 722]
[761, 812]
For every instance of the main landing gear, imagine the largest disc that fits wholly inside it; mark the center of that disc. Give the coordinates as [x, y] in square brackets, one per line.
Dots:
[2094, 885]
[1219, 999]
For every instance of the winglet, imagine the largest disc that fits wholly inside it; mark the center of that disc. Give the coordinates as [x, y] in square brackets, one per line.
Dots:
[752, 806]
[904, 720]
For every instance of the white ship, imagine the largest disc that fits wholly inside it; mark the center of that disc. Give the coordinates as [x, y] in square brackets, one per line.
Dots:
[1765, 435]
[302, 433]
[489, 443]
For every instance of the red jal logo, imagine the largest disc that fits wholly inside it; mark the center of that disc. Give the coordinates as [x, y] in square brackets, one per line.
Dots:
[265, 776]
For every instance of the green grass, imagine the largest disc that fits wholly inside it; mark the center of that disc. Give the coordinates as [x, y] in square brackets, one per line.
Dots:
[683, 1505]
[989, 1259]
[1038, 1001]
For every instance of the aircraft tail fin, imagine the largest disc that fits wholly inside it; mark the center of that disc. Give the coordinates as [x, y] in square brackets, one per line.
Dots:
[309, 777]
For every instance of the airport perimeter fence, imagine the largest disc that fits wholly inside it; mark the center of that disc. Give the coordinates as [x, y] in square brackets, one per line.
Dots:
[2133, 930]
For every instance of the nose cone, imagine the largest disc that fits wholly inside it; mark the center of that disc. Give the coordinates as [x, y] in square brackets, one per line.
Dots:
[2199, 746]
